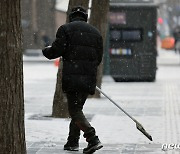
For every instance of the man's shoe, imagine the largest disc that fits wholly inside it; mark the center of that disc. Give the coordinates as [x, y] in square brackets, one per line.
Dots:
[71, 146]
[93, 145]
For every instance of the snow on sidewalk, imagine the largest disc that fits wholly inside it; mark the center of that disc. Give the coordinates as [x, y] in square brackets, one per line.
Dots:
[154, 104]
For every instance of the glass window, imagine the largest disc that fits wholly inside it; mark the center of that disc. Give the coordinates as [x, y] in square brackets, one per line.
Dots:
[117, 18]
[131, 35]
[115, 35]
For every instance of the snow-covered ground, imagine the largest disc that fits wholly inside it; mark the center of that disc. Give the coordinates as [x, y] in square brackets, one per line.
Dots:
[154, 104]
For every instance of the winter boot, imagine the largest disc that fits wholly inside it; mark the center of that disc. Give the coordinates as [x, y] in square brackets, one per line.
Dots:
[72, 145]
[93, 145]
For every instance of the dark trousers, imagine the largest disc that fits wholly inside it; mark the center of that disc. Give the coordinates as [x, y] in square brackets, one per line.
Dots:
[78, 120]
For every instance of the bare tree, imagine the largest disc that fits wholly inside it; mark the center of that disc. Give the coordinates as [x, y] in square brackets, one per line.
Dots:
[99, 14]
[12, 131]
[60, 103]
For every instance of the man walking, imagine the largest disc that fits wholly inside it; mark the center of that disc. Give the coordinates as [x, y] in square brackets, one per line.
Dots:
[81, 47]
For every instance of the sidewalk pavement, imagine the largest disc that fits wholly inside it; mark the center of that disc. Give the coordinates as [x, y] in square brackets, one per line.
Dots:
[154, 104]
[57, 148]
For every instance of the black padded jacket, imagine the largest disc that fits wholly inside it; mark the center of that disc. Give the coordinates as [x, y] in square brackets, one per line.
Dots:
[81, 47]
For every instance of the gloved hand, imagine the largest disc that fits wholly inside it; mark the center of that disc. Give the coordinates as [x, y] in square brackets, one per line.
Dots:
[46, 52]
[50, 53]
[46, 49]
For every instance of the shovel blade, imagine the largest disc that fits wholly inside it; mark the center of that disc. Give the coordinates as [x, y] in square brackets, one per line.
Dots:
[142, 130]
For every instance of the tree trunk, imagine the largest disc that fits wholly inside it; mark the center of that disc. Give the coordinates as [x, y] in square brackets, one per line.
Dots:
[12, 131]
[99, 14]
[60, 108]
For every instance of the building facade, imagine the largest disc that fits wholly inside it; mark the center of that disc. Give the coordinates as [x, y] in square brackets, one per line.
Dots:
[38, 22]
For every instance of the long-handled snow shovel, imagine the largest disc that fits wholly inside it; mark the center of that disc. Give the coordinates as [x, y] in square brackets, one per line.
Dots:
[138, 125]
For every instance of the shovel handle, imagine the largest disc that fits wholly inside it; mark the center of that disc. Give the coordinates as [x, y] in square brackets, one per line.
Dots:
[115, 103]
[138, 125]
